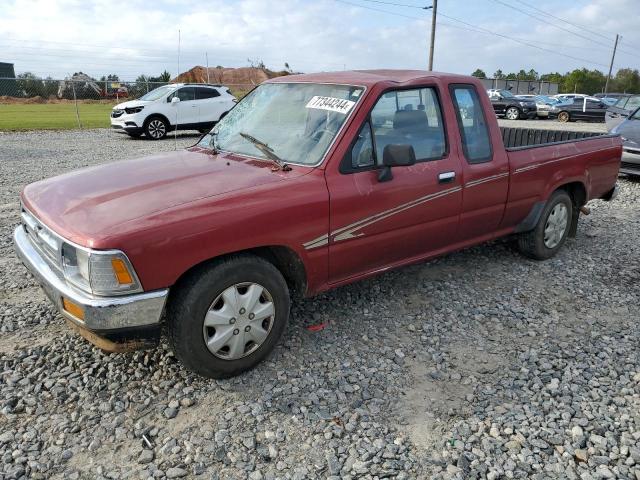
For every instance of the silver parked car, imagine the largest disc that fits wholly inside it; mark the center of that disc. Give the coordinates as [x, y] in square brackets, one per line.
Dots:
[629, 130]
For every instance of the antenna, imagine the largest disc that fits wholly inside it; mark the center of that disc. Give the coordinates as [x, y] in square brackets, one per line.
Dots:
[175, 131]
[206, 54]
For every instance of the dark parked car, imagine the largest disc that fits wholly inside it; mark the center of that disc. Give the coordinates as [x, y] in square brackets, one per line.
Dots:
[511, 107]
[629, 130]
[621, 110]
[582, 108]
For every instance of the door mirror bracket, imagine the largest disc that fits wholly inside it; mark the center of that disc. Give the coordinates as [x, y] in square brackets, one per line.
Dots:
[395, 155]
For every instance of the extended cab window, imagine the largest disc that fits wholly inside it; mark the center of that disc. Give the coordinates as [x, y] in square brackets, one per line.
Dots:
[476, 143]
[409, 117]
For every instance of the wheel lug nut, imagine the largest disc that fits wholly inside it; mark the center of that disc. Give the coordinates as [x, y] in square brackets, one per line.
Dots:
[242, 310]
[251, 316]
[232, 321]
[247, 328]
[236, 331]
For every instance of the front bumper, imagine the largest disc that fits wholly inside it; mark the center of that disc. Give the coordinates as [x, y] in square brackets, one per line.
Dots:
[630, 163]
[108, 316]
[127, 123]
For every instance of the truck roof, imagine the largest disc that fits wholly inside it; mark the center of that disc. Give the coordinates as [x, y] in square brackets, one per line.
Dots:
[368, 78]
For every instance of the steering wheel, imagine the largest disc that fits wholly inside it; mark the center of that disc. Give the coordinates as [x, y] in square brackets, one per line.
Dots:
[317, 135]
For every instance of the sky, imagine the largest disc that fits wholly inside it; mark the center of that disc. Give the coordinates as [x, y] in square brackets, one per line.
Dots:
[58, 37]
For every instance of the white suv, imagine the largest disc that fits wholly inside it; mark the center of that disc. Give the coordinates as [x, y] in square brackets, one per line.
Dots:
[189, 106]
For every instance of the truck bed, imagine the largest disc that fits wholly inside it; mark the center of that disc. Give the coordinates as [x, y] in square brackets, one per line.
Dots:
[514, 137]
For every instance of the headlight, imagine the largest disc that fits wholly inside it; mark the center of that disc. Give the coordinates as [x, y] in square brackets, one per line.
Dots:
[133, 109]
[99, 272]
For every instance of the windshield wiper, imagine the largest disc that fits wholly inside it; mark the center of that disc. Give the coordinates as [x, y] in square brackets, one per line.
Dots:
[267, 151]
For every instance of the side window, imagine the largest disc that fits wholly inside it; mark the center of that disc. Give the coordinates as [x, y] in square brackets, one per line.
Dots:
[476, 142]
[362, 151]
[204, 92]
[409, 117]
[184, 94]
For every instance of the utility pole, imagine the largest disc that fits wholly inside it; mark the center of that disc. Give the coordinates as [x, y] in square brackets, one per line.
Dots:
[434, 9]
[615, 45]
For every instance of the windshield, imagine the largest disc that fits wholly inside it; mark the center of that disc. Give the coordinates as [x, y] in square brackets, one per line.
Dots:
[289, 122]
[506, 94]
[621, 102]
[158, 93]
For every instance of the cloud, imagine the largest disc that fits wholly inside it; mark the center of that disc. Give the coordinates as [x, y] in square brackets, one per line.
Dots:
[57, 37]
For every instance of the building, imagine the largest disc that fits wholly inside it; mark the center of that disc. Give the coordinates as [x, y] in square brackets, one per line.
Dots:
[8, 86]
[522, 87]
[7, 70]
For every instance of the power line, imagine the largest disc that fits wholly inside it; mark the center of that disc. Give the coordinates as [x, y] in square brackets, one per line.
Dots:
[576, 25]
[500, 2]
[484, 30]
[475, 28]
[565, 21]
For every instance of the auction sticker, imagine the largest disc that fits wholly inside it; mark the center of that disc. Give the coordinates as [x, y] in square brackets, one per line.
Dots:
[331, 103]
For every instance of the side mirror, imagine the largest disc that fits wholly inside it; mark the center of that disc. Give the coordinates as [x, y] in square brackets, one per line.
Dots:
[395, 155]
[175, 100]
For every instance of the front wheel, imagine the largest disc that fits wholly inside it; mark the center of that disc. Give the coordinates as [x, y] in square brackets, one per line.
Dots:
[564, 117]
[512, 113]
[551, 231]
[225, 318]
[156, 128]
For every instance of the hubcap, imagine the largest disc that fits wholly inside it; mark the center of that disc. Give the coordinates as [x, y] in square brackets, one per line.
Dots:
[238, 321]
[512, 114]
[156, 128]
[556, 225]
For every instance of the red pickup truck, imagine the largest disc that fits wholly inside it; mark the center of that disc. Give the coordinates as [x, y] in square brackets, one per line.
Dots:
[309, 183]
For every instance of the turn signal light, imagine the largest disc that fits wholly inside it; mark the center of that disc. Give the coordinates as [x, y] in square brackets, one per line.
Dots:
[72, 308]
[122, 273]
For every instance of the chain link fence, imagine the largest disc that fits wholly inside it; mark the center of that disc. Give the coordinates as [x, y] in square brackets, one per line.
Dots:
[31, 103]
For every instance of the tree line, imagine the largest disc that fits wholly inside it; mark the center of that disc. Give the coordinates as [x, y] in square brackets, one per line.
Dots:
[582, 80]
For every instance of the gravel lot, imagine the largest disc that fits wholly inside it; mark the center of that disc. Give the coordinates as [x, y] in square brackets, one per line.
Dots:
[482, 364]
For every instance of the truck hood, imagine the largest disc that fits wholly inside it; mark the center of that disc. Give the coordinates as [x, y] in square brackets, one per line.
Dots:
[86, 205]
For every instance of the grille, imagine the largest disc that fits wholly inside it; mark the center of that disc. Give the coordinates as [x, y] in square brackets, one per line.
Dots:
[116, 113]
[42, 238]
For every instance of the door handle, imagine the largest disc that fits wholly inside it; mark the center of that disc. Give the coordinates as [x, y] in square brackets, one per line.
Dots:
[446, 177]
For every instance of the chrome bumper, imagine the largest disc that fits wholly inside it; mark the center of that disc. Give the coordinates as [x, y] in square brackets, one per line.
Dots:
[101, 314]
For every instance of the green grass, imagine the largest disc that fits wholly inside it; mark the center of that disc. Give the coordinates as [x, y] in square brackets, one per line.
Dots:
[53, 116]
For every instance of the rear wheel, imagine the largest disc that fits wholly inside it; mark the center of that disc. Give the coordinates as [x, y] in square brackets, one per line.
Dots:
[156, 128]
[512, 113]
[552, 228]
[564, 117]
[227, 317]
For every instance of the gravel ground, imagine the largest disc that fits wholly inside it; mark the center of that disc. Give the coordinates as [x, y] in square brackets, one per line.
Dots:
[482, 364]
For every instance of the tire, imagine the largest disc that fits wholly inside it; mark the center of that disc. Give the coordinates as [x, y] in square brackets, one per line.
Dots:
[512, 113]
[209, 291]
[545, 240]
[155, 128]
[564, 117]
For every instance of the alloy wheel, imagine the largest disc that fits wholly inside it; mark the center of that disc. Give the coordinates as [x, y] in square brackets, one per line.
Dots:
[156, 128]
[512, 113]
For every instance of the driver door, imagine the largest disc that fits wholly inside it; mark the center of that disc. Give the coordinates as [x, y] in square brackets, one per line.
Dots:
[376, 224]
